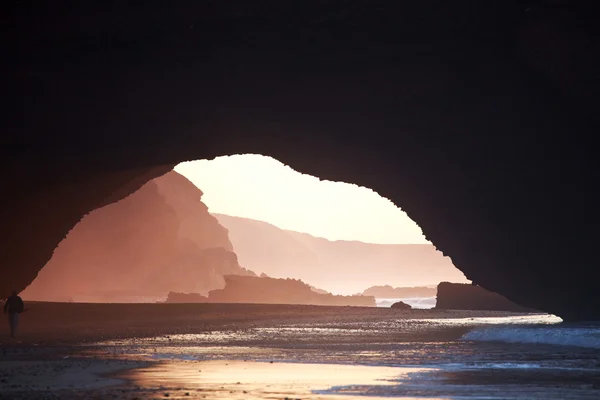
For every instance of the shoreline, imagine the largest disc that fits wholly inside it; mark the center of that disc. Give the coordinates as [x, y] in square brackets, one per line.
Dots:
[56, 324]
[95, 351]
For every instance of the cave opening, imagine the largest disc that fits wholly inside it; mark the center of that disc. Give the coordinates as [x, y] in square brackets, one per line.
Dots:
[183, 233]
[479, 122]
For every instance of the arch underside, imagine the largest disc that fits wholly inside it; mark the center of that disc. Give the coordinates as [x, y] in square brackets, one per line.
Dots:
[488, 152]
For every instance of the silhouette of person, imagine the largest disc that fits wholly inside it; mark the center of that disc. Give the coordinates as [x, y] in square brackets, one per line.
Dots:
[14, 306]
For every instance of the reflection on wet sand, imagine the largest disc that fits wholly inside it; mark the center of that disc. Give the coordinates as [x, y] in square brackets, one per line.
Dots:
[317, 352]
[266, 380]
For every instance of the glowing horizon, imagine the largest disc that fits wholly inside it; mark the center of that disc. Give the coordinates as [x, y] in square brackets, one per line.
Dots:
[262, 188]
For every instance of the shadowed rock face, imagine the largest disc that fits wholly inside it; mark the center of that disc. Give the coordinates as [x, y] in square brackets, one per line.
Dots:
[478, 121]
[461, 296]
[158, 239]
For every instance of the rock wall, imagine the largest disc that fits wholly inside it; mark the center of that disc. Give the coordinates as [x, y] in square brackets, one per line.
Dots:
[250, 289]
[460, 296]
[158, 239]
[480, 122]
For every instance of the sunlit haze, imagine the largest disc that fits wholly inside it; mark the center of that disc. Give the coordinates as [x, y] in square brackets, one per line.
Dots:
[262, 188]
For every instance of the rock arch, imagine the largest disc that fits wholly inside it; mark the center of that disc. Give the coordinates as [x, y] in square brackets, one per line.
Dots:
[448, 117]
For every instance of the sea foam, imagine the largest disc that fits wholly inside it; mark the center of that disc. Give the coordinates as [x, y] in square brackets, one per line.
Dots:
[581, 336]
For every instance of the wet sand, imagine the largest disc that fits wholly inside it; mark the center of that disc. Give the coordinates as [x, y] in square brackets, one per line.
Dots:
[234, 379]
[52, 324]
[62, 374]
[62, 350]
[222, 379]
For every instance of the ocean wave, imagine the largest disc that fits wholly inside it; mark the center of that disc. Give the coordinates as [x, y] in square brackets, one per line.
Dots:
[495, 365]
[557, 335]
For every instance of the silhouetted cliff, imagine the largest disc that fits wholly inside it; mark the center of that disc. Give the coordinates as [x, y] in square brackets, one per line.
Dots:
[458, 296]
[251, 289]
[158, 239]
[390, 292]
[263, 247]
[267, 248]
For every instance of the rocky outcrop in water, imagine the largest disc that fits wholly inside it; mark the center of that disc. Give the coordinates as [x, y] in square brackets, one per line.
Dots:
[251, 289]
[399, 305]
[160, 238]
[458, 296]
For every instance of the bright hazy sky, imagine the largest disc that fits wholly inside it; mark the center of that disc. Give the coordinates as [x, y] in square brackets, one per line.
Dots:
[262, 188]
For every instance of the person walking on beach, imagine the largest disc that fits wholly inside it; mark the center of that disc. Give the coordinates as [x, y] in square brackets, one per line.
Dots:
[13, 306]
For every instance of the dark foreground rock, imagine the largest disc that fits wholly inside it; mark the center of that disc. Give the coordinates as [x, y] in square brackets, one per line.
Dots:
[460, 296]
